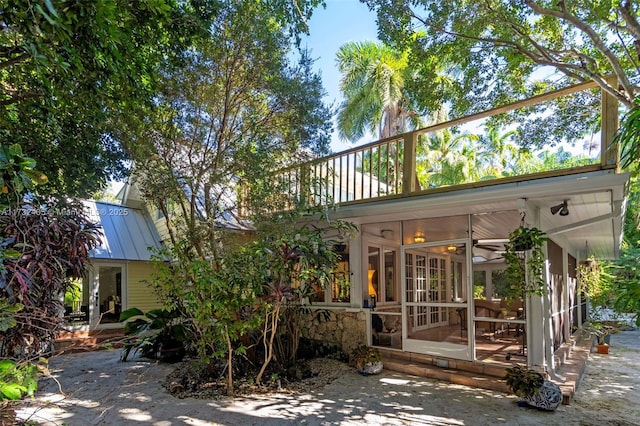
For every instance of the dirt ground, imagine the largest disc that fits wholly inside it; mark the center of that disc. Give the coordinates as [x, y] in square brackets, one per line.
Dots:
[97, 389]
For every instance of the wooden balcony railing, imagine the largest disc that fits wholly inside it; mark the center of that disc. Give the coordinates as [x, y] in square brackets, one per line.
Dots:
[387, 168]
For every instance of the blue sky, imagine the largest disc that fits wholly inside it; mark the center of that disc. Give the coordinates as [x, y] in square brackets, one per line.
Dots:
[330, 28]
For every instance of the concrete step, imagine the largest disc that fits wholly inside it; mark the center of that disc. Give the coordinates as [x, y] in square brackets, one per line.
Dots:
[487, 376]
[478, 379]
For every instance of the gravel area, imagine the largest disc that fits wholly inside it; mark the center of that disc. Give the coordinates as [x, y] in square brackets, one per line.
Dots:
[97, 389]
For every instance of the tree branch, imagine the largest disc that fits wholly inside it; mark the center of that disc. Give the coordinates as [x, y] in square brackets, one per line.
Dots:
[564, 14]
[12, 61]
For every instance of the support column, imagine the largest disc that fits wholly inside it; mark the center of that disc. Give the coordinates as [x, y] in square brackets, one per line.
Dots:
[609, 154]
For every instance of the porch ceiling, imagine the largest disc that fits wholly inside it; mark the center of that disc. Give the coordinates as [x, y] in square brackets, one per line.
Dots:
[595, 201]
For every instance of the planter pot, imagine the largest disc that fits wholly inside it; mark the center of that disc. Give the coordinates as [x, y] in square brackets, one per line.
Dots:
[602, 349]
[371, 368]
[548, 397]
[523, 243]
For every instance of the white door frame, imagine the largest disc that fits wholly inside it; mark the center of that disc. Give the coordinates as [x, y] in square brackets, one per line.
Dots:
[94, 293]
[446, 349]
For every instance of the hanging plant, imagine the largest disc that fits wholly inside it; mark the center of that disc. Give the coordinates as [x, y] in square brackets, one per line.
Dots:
[595, 282]
[525, 261]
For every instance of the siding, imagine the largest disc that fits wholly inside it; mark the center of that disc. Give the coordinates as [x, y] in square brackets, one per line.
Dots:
[139, 293]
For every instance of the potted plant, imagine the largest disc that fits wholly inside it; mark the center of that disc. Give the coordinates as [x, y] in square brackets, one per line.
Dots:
[525, 261]
[602, 335]
[368, 360]
[533, 388]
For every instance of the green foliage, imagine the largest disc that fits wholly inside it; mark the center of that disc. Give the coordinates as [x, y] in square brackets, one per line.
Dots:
[500, 51]
[525, 262]
[18, 175]
[523, 382]
[158, 334]
[373, 83]
[7, 314]
[220, 304]
[628, 137]
[363, 354]
[626, 282]
[18, 379]
[595, 282]
[239, 109]
[73, 74]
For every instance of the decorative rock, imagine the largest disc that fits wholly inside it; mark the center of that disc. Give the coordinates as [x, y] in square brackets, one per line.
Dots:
[548, 397]
[371, 368]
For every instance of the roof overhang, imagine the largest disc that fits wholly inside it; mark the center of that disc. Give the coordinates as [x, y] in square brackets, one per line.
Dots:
[595, 199]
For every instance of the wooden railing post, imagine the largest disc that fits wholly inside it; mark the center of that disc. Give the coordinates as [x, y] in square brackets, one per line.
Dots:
[609, 154]
[409, 163]
[305, 184]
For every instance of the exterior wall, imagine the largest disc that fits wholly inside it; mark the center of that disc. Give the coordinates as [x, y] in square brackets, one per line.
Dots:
[139, 293]
[344, 328]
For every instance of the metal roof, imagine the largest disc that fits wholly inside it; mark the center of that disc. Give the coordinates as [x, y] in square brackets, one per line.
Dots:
[126, 233]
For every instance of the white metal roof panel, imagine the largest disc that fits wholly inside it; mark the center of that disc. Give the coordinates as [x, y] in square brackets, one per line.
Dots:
[126, 233]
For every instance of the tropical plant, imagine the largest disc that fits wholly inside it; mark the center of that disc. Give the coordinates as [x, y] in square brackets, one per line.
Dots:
[220, 305]
[501, 47]
[157, 334]
[525, 261]
[445, 159]
[522, 381]
[292, 258]
[362, 355]
[628, 137]
[53, 243]
[595, 282]
[373, 85]
[19, 378]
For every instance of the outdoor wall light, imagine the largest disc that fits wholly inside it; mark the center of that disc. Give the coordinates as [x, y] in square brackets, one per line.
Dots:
[562, 208]
[419, 238]
[452, 248]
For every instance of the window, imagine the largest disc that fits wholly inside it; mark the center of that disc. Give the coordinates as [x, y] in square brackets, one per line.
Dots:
[339, 289]
[457, 287]
[479, 284]
[382, 274]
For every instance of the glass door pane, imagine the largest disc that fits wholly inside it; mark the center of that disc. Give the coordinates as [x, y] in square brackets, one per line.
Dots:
[108, 294]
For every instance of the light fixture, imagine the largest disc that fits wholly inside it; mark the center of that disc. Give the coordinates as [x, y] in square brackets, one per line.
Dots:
[387, 233]
[372, 290]
[561, 208]
[452, 248]
[419, 238]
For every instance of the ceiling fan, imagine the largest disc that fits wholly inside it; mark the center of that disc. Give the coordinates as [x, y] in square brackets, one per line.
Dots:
[496, 244]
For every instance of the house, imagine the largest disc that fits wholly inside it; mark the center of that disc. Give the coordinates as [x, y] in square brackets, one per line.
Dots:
[426, 268]
[426, 271]
[120, 269]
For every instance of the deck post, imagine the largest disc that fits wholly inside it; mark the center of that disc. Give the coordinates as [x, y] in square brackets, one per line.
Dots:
[409, 163]
[305, 185]
[609, 154]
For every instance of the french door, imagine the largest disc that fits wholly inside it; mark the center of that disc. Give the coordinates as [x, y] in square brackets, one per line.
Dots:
[426, 283]
[433, 279]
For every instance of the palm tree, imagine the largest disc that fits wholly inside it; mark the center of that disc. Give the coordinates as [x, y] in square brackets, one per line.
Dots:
[498, 151]
[446, 158]
[373, 85]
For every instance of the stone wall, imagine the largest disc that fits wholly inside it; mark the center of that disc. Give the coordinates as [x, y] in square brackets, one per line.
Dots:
[345, 329]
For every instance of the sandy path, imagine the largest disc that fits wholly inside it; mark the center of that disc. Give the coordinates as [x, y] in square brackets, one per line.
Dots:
[99, 390]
